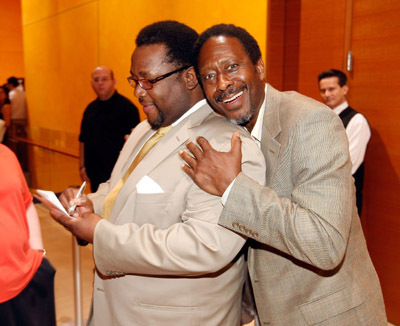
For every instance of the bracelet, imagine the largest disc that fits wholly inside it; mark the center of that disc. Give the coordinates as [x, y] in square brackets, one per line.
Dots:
[43, 251]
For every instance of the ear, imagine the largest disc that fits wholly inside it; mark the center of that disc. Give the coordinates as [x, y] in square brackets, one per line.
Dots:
[191, 78]
[345, 89]
[260, 69]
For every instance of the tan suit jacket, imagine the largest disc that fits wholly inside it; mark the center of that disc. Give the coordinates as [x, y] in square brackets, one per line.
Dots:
[309, 263]
[167, 260]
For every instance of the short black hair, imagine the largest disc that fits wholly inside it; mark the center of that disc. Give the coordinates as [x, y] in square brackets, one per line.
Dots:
[178, 38]
[13, 81]
[249, 43]
[342, 78]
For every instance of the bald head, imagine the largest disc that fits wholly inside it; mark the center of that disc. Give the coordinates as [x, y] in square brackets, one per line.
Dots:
[103, 82]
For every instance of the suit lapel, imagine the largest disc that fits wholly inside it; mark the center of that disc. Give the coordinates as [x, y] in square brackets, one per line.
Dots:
[177, 136]
[271, 130]
[166, 147]
[131, 147]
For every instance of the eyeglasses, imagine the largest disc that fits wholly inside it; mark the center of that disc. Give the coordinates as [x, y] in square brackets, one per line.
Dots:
[148, 83]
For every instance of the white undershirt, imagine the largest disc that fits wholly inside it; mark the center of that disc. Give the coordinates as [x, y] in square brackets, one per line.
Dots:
[18, 104]
[358, 134]
[256, 134]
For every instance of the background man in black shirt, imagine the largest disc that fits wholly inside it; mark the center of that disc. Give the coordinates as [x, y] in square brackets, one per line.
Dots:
[105, 123]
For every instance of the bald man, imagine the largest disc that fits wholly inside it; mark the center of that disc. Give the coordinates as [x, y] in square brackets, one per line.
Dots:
[105, 123]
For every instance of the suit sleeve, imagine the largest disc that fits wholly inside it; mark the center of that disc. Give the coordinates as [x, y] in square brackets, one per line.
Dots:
[196, 246]
[312, 223]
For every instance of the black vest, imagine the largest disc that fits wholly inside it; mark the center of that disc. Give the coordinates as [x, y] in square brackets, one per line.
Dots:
[346, 115]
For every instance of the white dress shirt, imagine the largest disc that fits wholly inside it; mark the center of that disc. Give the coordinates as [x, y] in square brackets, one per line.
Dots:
[18, 103]
[358, 134]
[256, 134]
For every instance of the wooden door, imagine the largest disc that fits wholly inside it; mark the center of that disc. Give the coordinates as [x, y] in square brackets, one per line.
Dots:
[375, 89]
[304, 38]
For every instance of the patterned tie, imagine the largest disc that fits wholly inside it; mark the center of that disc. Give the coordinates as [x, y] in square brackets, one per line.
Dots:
[112, 195]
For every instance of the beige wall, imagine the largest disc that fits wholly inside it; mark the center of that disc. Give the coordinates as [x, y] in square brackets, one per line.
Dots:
[64, 41]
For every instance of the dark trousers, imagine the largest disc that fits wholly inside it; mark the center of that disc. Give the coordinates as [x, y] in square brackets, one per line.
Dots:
[34, 306]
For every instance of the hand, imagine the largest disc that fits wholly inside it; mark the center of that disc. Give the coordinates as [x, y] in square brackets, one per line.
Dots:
[211, 170]
[81, 226]
[67, 196]
[83, 230]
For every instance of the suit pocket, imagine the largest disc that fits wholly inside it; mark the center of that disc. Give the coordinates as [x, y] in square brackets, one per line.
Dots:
[332, 305]
[156, 315]
[154, 209]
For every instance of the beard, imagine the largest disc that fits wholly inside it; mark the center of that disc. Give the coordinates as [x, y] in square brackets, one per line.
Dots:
[157, 123]
[246, 117]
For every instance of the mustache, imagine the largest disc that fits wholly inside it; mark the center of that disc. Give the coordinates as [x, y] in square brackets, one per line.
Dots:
[231, 91]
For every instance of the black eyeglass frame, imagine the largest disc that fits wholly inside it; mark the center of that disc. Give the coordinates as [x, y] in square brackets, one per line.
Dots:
[133, 82]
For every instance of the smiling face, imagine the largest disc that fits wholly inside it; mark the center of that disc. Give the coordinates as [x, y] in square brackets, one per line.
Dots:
[169, 98]
[332, 93]
[233, 85]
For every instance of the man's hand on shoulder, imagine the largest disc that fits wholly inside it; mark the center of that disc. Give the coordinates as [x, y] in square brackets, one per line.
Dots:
[211, 170]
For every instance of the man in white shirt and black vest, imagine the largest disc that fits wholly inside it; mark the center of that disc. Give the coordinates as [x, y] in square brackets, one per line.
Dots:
[334, 89]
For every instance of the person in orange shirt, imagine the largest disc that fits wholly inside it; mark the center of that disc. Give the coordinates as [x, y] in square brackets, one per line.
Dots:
[26, 276]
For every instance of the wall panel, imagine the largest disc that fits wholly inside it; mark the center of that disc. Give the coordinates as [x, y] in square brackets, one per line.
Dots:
[375, 90]
[34, 10]
[11, 48]
[322, 35]
[324, 38]
[117, 36]
[60, 52]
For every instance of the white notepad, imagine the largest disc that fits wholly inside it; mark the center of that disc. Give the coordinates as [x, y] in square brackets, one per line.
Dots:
[50, 199]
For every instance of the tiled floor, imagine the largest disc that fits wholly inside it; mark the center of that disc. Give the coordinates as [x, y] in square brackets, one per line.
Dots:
[58, 243]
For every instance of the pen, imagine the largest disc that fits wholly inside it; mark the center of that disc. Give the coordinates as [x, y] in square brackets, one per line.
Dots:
[71, 210]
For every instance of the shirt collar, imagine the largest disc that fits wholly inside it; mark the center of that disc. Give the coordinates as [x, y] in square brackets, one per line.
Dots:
[340, 107]
[256, 133]
[193, 109]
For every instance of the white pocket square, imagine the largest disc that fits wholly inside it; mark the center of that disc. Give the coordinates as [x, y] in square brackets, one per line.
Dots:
[147, 185]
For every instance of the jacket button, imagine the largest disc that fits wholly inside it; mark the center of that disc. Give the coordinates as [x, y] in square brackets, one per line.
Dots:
[235, 224]
[255, 234]
[242, 227]
[248, 231]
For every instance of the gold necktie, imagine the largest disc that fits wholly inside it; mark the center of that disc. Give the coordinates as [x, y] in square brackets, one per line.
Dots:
[112, 195]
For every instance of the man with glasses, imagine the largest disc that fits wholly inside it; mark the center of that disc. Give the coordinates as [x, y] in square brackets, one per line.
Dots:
[161, 258]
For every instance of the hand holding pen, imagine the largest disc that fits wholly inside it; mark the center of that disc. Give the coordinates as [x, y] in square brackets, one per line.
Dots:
[71, 210]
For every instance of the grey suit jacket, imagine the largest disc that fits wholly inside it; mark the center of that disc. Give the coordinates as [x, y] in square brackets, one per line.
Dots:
[309, 263]
[164, 258]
